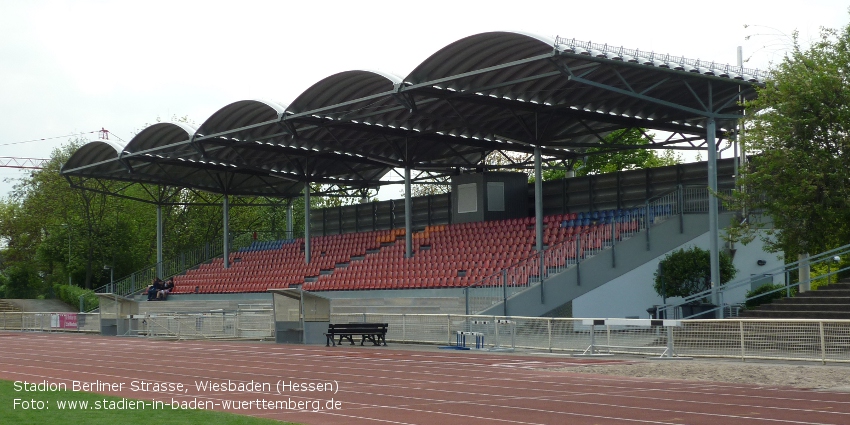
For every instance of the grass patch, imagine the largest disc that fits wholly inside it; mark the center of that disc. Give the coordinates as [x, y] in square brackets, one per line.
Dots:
[53, 415]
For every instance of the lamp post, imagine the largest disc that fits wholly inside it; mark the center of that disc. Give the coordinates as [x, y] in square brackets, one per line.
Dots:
[68, 226]
[69, 256]
[835, 259]
[111, 280]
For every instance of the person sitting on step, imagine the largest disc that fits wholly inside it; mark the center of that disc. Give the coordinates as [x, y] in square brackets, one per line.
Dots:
[154, 288]
[166, 289]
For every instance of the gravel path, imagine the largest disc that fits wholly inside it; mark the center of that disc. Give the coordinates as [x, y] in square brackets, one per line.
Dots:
[833, 377]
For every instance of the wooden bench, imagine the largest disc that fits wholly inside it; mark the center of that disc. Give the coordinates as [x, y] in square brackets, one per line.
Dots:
[374, 332]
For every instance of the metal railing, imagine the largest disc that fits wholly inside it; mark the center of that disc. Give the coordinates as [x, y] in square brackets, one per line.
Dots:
[823, 341]
[249, 321]
[538, 267]
[211, 325]
[138, 280]
[50, 322]
[658, 59]
[786, 272]
[808, 340]
[535, 269]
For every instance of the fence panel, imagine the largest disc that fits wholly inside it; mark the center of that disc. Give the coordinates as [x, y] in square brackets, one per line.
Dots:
[50, 322]
[807, 340]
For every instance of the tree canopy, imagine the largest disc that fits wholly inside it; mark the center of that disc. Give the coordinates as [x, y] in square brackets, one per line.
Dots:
[799, 129]
[601, 160]
[52, 233]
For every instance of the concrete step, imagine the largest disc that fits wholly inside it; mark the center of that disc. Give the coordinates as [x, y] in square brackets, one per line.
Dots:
[798, 306]
[815, 299]
[7, 306]
[827, 303]
[826, 291]
[822, 315]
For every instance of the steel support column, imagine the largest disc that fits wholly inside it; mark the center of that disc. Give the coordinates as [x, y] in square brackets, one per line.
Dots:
[408, 216]
[713, 230]
[307, 223]
[289, 234]
[226, 237]
[158, 241]
[538, 199]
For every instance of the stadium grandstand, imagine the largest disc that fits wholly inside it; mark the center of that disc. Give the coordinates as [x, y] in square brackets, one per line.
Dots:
[544, 245]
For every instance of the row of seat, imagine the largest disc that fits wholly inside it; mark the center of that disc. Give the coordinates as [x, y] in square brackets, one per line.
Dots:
[484, 243]
[283, 266]
[266, 245]
[444, 256]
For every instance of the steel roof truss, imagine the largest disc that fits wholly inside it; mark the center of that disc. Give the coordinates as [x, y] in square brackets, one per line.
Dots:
[696, 96]
[706, 112]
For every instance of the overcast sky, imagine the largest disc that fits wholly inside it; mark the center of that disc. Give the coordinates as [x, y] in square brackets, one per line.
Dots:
[71, 67]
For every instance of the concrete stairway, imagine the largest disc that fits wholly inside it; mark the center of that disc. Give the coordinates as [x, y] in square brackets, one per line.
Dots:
[10, 317]
[828, 302]
[600, 269]
[7, 307]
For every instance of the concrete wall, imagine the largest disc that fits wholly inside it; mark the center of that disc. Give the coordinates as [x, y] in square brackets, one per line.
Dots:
[631, 294]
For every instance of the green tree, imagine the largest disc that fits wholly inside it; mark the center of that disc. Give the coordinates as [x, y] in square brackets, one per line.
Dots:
[799, 127]
[43, 215]
[51, 231]
[600, 160]
[688, 271]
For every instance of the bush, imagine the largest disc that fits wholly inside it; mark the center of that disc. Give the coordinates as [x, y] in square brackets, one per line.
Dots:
[766, 298]
[688, 272]
[70, 294]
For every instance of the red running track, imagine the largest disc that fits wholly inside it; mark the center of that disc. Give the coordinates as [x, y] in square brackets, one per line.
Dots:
[401, 386]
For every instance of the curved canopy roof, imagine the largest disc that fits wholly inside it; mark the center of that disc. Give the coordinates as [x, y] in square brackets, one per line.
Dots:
[492, 91]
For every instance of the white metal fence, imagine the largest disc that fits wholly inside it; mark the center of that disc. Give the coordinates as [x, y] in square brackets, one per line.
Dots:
[248, 322]
[808, 340]
[50, 322]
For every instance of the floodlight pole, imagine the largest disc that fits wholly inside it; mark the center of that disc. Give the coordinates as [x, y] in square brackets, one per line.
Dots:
[289, 234]
[735, 158]
[713, 232]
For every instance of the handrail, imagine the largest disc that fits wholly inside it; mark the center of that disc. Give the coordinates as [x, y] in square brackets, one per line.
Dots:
[138, 280]
[498, 287]
[784, 270]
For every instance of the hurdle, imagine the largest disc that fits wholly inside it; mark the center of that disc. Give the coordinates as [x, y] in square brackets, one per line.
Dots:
[668, 352]
[460, 343]
[501, 323]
